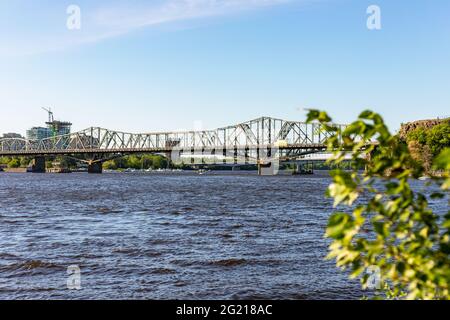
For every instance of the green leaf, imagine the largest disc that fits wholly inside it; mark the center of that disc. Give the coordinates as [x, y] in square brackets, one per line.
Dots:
[442, 161]
[410, 244]
[320, 116]
[338, 224]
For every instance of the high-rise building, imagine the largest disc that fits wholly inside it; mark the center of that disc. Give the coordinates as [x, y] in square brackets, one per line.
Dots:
[38, 133]
[59, 128]
[54, 128]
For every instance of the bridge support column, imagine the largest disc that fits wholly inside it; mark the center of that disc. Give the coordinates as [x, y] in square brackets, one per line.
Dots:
[95, 168]
[266, 169]
[38, 165]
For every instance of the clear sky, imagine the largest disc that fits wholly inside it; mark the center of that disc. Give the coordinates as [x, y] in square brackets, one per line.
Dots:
[144, 66]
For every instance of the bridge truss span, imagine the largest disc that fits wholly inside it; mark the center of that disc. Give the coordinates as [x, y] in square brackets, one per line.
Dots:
[291, 137]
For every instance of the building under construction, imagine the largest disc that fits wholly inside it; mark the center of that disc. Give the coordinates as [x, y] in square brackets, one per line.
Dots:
[54, 128]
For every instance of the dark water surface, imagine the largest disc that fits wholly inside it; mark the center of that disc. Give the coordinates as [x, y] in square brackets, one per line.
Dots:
[148, 236]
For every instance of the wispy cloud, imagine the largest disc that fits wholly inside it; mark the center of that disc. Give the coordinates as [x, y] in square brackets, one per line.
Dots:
[175, 10]
[100, 22]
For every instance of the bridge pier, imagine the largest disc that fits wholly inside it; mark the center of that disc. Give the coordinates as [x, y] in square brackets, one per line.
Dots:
[38, 165]
[267, 169]
[95, 168]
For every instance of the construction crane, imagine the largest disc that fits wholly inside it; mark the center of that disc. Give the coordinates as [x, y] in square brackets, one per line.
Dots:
[50, 114]
[51, 122]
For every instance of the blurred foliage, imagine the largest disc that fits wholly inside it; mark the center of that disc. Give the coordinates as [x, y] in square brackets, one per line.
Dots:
[390, 227]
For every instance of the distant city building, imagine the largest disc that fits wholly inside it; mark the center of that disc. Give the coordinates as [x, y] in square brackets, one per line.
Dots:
[12, 136]
[59, 128]
[39, 133]
[54, 128]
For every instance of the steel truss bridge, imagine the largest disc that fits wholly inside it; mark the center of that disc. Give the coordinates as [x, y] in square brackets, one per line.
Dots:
[247, 142]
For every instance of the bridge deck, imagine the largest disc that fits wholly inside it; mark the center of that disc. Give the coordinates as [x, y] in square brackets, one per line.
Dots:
[206, 149]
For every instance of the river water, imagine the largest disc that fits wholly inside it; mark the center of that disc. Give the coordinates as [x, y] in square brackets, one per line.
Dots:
[167, 236]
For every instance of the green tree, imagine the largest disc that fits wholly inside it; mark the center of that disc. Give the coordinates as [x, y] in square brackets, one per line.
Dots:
[134, 162]
[4, 160]
[395, 230]
[14, 163]
[159, 162]
[147, 161]
[419, 135]
[109, 165]
[438, 138]
[24, 161]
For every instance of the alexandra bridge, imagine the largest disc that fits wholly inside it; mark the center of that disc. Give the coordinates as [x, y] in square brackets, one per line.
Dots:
[258, 141]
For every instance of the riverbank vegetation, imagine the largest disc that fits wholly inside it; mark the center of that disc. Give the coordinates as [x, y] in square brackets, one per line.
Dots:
[147, 161]
[384, 231]
[127, 162]
[425, 144]
[24, 162]
[14, 162]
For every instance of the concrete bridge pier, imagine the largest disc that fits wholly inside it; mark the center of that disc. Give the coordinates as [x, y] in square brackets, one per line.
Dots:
[266, 169]
[95, 167]
[38, 165]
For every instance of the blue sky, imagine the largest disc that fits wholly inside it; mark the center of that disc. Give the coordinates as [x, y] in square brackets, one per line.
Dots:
[171, 64]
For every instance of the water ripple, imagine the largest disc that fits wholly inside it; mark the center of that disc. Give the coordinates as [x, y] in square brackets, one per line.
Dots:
[167, 237]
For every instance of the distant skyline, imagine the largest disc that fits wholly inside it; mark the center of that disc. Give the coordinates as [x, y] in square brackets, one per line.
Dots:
[142, 66]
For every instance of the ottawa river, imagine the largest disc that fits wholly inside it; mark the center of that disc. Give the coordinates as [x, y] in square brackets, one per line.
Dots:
[168, 236]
